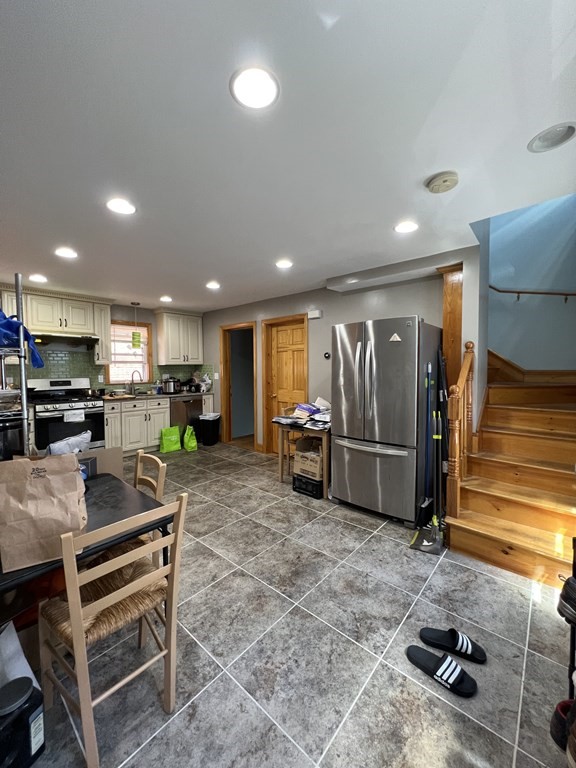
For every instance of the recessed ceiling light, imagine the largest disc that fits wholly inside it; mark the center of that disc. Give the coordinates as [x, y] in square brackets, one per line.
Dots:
[352, 280]
[38, 278]
[552, 137]
[255, 88]
[213, 285]
[404, 227]
[66, 253]
[283, 263]
[120, 205]
[166, 299]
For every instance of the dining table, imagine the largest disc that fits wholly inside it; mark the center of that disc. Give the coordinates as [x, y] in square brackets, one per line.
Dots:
[108, 500]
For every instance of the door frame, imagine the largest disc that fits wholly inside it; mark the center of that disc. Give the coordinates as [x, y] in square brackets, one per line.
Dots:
[225, 382]
[267, 413]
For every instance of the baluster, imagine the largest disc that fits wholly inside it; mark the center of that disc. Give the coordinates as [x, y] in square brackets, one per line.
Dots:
[454, 452]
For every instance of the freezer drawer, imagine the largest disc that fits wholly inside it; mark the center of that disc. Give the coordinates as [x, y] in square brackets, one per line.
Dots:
[378, 477]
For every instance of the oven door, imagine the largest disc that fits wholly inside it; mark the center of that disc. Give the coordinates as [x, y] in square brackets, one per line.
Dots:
[51, 427]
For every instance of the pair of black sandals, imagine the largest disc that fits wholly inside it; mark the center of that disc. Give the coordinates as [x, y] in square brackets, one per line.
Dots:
[444, 669]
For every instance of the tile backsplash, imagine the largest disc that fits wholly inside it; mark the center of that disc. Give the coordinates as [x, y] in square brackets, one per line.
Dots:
[78, 363]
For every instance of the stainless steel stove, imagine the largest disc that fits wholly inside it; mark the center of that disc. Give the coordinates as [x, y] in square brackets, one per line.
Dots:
[64, 408]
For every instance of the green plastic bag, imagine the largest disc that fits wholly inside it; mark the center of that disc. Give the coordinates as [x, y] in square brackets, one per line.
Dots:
[190, 442]
[170, 439]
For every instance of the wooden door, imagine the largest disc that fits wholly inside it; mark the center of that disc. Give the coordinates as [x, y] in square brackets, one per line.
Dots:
[288, 370]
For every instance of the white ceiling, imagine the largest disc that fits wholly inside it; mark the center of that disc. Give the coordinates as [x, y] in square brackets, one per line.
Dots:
[131, 97]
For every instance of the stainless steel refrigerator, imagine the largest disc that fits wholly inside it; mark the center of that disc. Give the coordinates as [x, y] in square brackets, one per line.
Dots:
[379, 371]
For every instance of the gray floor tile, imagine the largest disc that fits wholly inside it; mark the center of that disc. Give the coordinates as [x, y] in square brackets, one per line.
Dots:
[284, 516]
[549, 633]
[360, 606]
[254, 459]
[335, 537]
[231, 614]
[248, 500]
[397, 724]
[194, 499]
[523, 761]
[207, 518]
[267, 482]
[131, 715]
[291, 568]
[199, 567]
[496, 605]
[226, 467]
[218, 488]
[222, 728]
[491, 570]
[62, 749]
[242, 540]
[187, 475]
[357, 517]
[305, 675]
[251, 476]
[398, 531]
[393, 562]
[498, 699]
[318, 505]
[545, 684]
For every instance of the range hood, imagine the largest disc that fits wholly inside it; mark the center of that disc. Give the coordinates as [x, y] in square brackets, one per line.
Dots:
[71, 339]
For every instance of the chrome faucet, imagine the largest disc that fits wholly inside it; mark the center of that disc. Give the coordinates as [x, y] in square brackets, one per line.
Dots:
[132, 380]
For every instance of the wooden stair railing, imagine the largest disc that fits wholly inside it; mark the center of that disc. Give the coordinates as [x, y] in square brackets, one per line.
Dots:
[460, 430]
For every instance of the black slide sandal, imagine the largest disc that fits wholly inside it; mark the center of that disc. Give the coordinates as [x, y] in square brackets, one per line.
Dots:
[444, 670]
[456, 643]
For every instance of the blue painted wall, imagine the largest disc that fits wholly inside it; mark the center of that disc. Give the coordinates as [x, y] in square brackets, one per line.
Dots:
[242, 382]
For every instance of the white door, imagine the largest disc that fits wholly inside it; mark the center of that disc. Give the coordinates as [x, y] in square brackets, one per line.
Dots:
[134, 430]
[157, 420]
[45, 313]
[78, 316]
[113, 430]
[103, 349]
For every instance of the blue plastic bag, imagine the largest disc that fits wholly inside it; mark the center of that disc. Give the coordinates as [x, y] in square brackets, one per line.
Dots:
[9, 338]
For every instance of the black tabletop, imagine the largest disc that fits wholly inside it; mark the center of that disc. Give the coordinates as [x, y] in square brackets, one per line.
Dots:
[108, 500]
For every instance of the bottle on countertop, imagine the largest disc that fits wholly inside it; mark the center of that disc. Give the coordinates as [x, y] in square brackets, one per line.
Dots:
[158, 386]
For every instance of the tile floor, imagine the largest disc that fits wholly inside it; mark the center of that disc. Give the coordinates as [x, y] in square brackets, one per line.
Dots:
[293, 622]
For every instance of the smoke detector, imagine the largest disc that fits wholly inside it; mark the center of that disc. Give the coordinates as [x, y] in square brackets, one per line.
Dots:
[442, 182]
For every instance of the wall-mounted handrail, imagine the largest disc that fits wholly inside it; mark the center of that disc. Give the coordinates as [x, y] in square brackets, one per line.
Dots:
[460, 429]
[518, 293]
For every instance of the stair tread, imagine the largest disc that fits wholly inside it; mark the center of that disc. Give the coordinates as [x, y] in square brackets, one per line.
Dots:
[540, 464]
[567, 408]
[545, 499]
[557, 546]
[532, 432]
[531, 384]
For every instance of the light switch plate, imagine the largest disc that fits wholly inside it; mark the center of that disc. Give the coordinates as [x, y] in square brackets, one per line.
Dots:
[216, 375]
[100, 379]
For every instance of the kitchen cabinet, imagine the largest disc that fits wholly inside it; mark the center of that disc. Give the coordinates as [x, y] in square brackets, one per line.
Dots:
[179, 339]
[207, 403]
[112, 425]
[49, 313]
[9, 304]
[135, 424]
[103, 349]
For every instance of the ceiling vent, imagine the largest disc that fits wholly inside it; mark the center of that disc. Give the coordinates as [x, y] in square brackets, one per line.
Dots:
[442, 182]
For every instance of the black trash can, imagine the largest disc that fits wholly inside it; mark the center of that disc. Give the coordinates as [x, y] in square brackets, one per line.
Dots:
[210, 429]
[196, 423]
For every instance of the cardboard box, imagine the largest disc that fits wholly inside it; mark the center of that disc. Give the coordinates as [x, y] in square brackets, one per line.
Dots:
[308, 458]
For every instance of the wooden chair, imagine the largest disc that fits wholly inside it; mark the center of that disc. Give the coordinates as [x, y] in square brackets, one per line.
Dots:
[140, 479]
[121, 586]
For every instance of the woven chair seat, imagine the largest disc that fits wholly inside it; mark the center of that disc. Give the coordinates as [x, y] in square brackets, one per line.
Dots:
[118, 615]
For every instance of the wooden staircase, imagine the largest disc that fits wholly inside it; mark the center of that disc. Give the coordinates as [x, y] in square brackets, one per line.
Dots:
[517, 496]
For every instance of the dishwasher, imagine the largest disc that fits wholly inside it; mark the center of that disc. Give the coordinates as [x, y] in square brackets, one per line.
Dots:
[185, 410]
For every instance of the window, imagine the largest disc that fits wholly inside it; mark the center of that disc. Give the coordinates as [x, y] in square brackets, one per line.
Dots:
[125, 359]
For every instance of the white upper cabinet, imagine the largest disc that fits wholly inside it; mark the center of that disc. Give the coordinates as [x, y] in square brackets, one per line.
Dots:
[9, 305]
[49, 313]
[179, 339]
[103, 348]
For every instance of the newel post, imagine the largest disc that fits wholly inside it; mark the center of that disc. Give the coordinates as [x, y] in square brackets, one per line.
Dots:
[469, 392]
[454, 453]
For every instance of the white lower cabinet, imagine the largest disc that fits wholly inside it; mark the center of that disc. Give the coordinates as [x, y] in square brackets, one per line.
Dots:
[207, 403]
[135, 424]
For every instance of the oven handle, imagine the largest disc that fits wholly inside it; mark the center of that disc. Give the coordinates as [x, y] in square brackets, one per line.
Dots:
[52, 414]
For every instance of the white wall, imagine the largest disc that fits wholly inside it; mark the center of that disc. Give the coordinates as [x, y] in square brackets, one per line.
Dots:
[421, 297]
[475, 311]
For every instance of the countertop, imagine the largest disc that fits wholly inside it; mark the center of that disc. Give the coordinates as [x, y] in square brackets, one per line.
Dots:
[175, 396]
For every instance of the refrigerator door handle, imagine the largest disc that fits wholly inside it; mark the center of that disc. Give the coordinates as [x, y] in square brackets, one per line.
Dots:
[369, 377]
[357, 379]
[368, 449]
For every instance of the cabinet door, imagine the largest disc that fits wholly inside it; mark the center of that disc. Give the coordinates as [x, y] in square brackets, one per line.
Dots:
[45, 313]
[207, 403]
[113, 430]
[103, 349]
[78, 316]
[134, 430]
[173, 341]
[158, 419]
[9, 305]
[192, 329]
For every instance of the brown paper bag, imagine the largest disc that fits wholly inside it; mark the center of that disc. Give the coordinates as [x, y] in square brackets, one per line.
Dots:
[39, 500]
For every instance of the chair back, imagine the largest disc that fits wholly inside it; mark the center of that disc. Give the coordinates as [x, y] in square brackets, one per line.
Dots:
[144, 462]
[138, 548]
